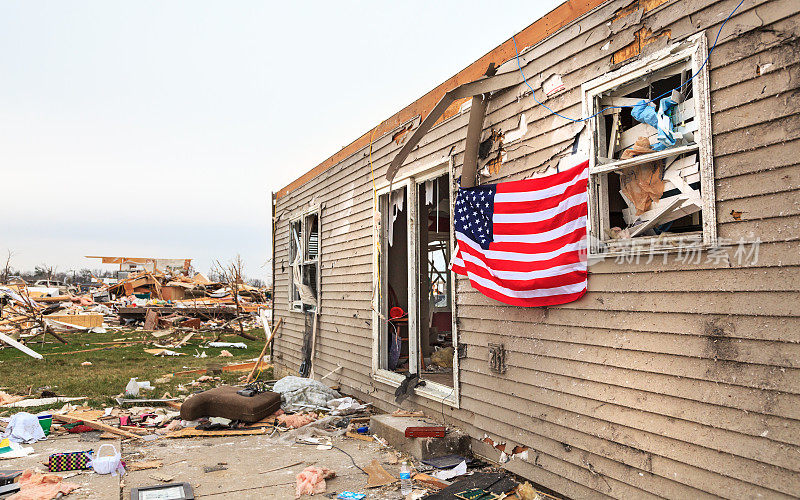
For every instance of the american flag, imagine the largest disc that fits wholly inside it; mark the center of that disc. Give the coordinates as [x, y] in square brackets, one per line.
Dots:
[524, 242]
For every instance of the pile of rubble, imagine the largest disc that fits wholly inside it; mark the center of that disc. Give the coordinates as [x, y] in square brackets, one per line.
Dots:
[155, 300]
[292, 411]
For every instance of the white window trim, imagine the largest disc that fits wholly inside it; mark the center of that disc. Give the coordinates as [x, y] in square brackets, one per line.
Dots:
[300, 216]
[410, 177]
[695, 49]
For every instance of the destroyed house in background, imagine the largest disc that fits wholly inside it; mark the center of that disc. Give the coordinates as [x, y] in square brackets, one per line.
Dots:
[132, 265]
[677, 374]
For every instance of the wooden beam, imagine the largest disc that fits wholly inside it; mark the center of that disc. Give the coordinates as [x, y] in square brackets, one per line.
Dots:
[97, 426]
[471, 89]
[264, 350]
[477, 113]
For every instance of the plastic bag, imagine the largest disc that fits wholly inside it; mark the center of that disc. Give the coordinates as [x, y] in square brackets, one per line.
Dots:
[298, 393]
[132, 389]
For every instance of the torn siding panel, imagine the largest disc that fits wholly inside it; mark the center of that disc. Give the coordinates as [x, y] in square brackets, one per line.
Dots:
[641, 39]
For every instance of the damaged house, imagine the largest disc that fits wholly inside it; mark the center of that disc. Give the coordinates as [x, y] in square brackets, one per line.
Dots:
[671, 368]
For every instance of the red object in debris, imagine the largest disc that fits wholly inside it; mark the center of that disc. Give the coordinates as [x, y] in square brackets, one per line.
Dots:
[415, 432]
[396, 312]
[79, 429]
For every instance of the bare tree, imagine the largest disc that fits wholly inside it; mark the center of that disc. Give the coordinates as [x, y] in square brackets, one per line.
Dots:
[231, 274]
[44, 271]
[7, 268]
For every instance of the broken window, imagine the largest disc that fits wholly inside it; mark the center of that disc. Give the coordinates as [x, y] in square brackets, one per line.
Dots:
[414, 300]
[650, 171]
[304, 262]
[435, 341]
[394, 268]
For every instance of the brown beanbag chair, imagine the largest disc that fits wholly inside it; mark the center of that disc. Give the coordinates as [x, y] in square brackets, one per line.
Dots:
[224, 402]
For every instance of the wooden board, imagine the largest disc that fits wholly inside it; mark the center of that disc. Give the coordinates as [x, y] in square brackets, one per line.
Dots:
[90, 320]
[189, 432]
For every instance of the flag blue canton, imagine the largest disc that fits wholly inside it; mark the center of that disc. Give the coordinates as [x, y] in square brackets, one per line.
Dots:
[473, 214]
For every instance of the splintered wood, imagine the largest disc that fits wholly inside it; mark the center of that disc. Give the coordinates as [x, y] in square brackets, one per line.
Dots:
[377, 475]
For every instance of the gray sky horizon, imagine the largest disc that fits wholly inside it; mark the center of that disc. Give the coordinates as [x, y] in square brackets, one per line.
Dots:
[159, 129]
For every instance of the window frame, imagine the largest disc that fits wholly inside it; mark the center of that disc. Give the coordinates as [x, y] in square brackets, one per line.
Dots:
[694, 50]
[302, 218]
[411, 178]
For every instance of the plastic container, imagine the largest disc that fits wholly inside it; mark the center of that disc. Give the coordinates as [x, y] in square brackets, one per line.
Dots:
[406, 486]
[46, 421]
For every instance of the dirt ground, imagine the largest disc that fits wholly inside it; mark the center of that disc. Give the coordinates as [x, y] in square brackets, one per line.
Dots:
[220, 467]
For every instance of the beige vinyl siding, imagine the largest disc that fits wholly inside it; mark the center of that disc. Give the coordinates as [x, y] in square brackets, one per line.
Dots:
[676, 380]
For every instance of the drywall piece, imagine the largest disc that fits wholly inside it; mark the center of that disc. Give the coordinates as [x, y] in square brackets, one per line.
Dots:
[656, 218]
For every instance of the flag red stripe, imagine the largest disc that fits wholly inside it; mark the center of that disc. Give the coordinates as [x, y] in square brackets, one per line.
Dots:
[541, 247]
[542, 226]
[565, 258]
[542, 182]
[520, 285]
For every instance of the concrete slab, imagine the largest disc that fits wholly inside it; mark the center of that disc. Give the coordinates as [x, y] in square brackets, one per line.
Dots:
[393, 430]
[243, 460]
[93, 486]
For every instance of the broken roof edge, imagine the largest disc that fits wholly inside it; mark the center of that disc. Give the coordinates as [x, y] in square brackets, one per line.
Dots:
[536, 32]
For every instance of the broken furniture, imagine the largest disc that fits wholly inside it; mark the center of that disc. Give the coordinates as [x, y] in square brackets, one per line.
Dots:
[225, 402]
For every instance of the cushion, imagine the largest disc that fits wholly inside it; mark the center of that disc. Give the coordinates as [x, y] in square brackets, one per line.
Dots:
[224, 402]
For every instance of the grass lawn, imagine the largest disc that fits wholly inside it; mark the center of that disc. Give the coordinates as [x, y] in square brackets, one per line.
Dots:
[113, 365]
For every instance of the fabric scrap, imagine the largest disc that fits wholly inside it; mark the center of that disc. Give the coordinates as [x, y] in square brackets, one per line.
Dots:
[298, 393]
[24, 428]
[36, 486]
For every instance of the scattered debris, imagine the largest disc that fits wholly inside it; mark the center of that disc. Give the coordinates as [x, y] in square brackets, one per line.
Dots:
[378, 476]
[34, 485]
[150, 464]
[458, 470]
[312, 481]
[164, 478]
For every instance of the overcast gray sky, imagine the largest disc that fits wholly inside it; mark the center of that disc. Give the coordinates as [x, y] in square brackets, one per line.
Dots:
[153, 128]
